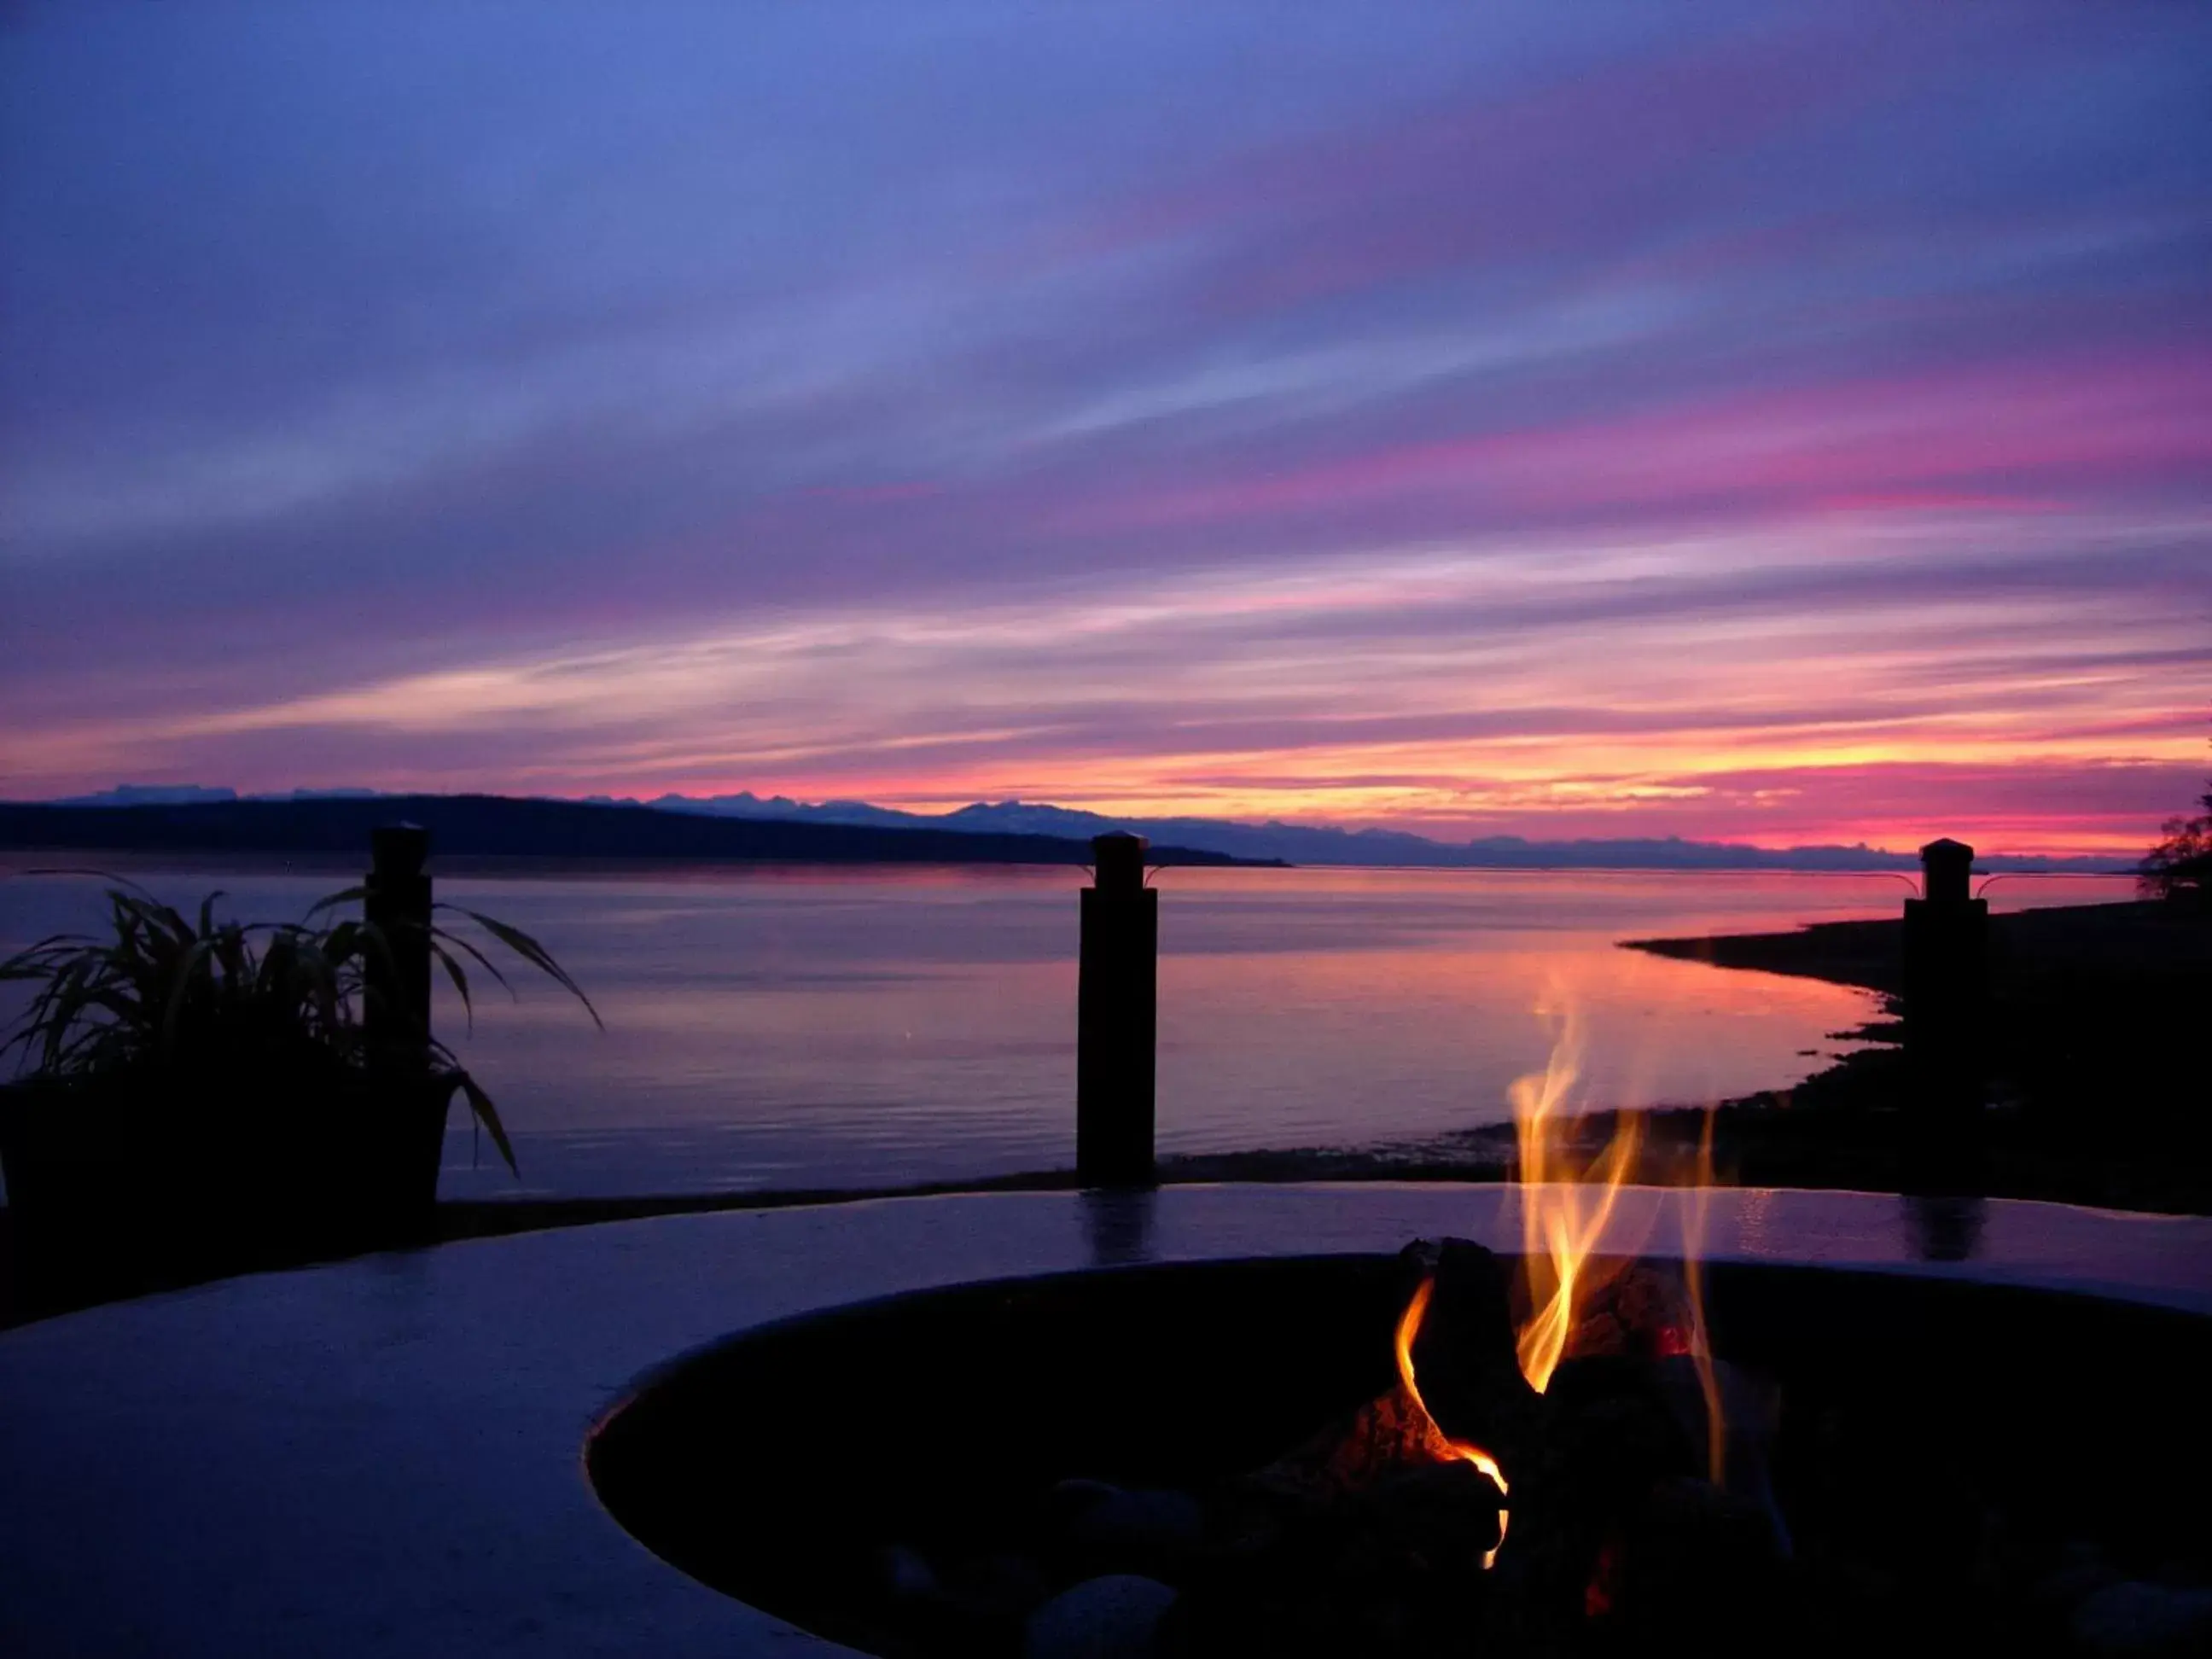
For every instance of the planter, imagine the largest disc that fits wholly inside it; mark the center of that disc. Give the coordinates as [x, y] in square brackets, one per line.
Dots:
[140, 1181]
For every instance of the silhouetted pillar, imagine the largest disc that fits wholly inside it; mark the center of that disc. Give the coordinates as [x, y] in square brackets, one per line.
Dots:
[396, 901]
[1117, 1005]
[1946, 989]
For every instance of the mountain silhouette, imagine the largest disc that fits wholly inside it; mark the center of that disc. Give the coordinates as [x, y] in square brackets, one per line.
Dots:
[495, 825]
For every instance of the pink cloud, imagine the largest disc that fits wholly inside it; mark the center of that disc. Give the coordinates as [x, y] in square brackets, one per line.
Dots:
[2046, 429]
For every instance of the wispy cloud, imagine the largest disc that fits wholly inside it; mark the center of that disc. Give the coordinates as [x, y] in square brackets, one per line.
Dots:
[1734, 683]
[1776, 424]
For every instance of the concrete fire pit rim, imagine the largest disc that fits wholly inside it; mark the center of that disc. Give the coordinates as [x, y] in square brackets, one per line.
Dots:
[1966, 1274]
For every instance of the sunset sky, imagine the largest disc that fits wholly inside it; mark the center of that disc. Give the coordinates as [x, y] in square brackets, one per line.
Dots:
[1776, 423]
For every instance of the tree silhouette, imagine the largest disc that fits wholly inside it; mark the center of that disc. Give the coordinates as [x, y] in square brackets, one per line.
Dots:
[2180, 866]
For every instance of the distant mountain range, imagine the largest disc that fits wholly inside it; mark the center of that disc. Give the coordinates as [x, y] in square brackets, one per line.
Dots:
[501, 826]
[1270, 841]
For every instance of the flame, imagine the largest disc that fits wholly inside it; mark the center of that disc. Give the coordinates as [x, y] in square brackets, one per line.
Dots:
[1694, 1211]
[1565, 1209]
[1409, 1326]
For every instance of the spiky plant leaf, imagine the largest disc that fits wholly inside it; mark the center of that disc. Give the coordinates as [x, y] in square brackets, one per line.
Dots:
[165, 988]
[488, 1115]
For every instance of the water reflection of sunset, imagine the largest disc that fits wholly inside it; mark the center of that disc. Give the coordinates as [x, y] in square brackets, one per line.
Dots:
[778, 1026]
[1425, 1039]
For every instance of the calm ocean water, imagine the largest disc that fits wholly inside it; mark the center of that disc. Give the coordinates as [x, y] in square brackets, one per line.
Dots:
[805, 1028]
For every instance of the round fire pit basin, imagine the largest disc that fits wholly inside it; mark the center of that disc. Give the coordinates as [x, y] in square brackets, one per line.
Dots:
[778, 1464]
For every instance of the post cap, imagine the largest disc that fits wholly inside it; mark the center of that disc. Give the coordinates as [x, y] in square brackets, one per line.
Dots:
[1946, 867]
[399, 849]
[1120, 858]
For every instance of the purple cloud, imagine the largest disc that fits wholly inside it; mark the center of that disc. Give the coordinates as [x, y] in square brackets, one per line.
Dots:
[1265, 407]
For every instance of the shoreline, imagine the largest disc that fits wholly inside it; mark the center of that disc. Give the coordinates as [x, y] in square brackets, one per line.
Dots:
[2098, 1088]
[2099, 1096]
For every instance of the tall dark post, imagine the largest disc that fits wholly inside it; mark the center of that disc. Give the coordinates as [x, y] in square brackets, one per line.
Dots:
[1946, 989]
[1116, 1006]
[396, 901]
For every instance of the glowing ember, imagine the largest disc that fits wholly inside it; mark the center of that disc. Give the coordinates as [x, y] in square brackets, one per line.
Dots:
[1444, 1447]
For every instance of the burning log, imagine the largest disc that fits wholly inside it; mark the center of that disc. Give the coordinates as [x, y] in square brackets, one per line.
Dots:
[1463, 1350]
[1470, 1390]
[1389, 1435]
[1394, 1565]
[1463, 1508]
[1638, 1311]
[1597, 1484]
[1375, 1536]
[1608, 1440]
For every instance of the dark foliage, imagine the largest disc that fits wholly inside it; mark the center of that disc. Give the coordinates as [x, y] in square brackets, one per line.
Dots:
[226, 1006]
[2180, 866]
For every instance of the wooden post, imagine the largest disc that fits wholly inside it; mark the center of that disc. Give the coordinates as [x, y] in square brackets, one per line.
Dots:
[1946, 1009]
[1116, 1007]
[395, 1013]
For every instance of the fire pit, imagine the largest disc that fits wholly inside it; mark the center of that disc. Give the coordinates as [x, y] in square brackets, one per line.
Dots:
[382, 1456]
[1219, 1457]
